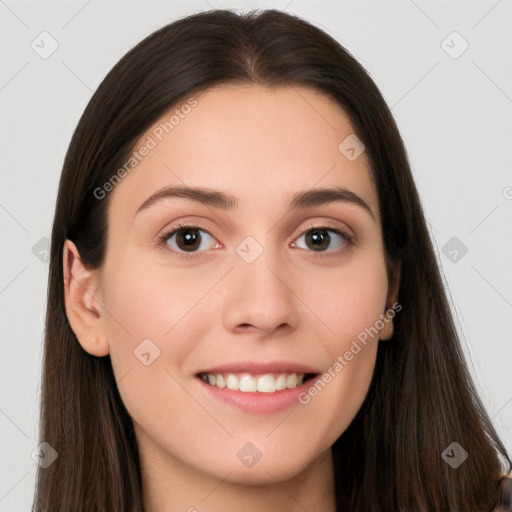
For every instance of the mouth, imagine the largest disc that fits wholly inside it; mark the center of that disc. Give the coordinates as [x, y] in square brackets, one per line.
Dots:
[256, 382]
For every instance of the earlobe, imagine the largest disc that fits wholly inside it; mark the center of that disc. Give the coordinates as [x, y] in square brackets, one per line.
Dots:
[82, 297]
[386, 332]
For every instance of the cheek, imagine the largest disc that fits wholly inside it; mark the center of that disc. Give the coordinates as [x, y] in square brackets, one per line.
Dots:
[349, 300]
[152, 302]
[152, 319]
[152, 328]
[338, 394]
[350, 308]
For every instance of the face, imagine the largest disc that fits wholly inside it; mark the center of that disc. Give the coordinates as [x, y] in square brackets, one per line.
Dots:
[259, 289]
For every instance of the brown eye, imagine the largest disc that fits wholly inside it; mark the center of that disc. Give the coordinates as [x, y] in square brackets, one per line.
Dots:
[187, 239]
[319, 239]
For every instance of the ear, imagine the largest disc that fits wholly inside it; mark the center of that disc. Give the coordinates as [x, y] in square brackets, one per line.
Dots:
[386, 332]
[82, 297]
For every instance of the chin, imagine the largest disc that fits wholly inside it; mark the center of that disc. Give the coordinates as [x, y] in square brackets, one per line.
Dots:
[264, 472]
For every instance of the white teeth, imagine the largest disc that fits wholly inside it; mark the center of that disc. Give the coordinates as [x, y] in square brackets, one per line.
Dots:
[221, 383]
[247, 383]
[291, 381]
[232, 382]
[266, 384]
[281, 382]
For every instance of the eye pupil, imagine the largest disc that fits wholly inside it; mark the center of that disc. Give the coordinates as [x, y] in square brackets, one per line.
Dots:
[319, 239]
[190, 236]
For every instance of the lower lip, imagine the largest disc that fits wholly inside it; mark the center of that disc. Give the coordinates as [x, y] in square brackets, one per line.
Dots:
[257, 402]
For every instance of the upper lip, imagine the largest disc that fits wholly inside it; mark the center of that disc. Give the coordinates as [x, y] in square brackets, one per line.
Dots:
[256, 367]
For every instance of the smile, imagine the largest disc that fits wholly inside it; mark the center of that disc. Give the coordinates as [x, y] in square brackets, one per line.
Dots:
[249, 383]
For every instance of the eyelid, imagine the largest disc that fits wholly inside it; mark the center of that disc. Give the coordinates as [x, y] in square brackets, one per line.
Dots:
[344, 231]
[167, 233]
[334, 225]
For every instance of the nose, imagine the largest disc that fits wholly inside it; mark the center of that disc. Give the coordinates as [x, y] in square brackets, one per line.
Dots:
[261, 296]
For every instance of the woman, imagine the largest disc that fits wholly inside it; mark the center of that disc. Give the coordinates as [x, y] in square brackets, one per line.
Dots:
[244, 301]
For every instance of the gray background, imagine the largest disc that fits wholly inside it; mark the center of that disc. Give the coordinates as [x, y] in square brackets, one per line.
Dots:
[454, 111]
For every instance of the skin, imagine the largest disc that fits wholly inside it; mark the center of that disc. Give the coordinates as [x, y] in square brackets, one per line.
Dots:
[261, 145]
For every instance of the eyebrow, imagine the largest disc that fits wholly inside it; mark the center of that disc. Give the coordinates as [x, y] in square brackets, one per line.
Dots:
[226, 201]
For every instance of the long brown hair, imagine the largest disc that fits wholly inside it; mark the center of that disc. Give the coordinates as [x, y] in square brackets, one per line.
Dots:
[421, 398]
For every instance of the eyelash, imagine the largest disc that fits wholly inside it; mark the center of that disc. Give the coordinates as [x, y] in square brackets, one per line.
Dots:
[163, 238]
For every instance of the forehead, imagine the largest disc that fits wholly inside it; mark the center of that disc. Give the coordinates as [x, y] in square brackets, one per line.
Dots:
[252, 141]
